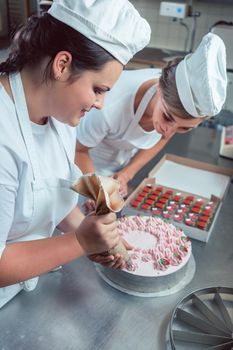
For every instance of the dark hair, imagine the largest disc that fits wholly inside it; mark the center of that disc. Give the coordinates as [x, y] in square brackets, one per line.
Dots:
[167, 82]
[44, 37]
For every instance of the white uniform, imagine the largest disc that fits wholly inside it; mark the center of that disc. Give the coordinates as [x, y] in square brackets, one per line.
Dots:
[36, 171]
[114, 131]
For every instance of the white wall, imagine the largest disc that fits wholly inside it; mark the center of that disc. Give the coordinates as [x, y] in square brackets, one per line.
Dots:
[171, 35]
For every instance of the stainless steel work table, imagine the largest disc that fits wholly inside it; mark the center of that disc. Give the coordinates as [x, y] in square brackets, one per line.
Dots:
[73, 308]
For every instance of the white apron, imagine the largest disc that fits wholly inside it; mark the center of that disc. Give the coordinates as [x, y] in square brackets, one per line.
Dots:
[112, 155]
[52, 197]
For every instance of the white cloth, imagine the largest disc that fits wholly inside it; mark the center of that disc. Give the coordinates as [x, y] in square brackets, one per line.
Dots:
[33, 199]
[114, 25]
[201, 78]
[114, 131]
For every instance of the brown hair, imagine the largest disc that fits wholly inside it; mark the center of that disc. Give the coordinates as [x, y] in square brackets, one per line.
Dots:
[169, 91]
[44, 37]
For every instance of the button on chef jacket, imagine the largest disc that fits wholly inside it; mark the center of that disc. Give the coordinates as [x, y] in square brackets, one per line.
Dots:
[114, 133]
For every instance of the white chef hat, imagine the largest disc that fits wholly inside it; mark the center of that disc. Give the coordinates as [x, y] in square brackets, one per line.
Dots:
[201, 78]
[113, 24]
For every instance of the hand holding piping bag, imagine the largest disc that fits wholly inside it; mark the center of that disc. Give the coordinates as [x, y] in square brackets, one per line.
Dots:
[105, 192]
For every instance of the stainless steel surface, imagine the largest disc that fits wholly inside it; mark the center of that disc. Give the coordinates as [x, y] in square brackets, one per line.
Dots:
[74, 309]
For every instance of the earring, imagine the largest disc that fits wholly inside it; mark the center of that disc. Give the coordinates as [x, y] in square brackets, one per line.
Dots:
[58, 77]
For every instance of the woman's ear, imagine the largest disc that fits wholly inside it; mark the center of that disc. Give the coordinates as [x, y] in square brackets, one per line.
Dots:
[61, 65]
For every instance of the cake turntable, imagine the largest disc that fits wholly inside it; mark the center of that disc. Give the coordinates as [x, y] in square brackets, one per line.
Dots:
[148, 286]
[161, 260]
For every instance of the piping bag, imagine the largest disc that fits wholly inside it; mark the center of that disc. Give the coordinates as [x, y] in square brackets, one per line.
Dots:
[105, 192]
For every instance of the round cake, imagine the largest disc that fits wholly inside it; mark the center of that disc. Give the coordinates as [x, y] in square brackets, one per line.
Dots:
[159, 257]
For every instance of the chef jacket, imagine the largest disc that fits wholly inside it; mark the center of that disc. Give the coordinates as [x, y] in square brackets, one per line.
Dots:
[36, 171]
[114, 133]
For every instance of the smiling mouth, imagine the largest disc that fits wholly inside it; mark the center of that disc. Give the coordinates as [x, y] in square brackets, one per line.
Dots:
[82, 112]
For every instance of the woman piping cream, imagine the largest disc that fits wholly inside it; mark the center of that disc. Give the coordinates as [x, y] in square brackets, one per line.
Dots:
[147, 107]
[61, 65]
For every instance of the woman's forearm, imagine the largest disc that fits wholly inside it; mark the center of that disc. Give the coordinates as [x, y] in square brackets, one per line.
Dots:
[23, 260]
[141, 158]
[83, 160]
[71, 221]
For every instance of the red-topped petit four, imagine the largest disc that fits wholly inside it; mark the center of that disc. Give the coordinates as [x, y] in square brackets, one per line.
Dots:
[135, 204]
[187, 201]
[179, 211]
[147, 188]
[166, 195]
[178, 218]
[204, 218]
[198, 204]
[190, 198]
[146, 206]
[139, 198]
[176, 198]
[196, 210]
[184, 208]
[156, 211]
[207, 212]
[189, 222]
[160, 205]
[156, 193]
[170, 208]
[169, 191]
[153, 196]
[159, 188]
[143, 194]
[201, 224]
[149, 201]
[166, 214]
[163, 200]
[192, 216]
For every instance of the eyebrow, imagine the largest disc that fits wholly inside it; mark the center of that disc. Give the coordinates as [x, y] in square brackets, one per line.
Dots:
[170, 116]
[187, 127]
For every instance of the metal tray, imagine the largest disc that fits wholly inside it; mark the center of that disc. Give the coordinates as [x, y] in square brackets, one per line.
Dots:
[203, 320]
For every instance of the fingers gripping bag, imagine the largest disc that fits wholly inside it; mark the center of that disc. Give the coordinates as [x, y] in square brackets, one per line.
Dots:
[105, 192]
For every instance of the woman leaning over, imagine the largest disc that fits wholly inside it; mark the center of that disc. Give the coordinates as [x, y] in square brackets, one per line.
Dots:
[61, 65]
